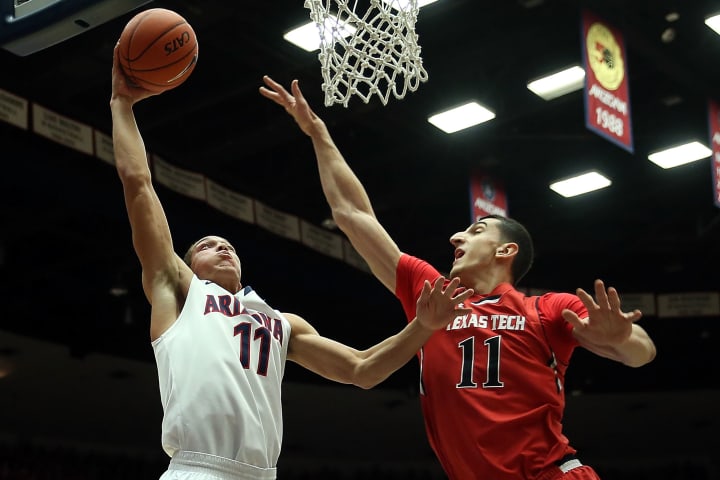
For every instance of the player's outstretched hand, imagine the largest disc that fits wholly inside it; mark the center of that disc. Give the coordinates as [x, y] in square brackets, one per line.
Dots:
[295, 103]
[606, 323]
[121, 87]
[437, 305]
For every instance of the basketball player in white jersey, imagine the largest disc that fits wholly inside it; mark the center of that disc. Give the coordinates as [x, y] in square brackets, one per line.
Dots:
[220, 349]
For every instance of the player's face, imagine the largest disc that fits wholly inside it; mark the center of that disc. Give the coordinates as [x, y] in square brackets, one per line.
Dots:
[475, 247]
[212, 255]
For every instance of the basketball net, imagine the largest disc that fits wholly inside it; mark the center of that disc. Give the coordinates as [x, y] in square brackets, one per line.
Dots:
[370, 53]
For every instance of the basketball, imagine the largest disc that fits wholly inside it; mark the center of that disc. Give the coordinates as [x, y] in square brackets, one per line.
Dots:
[157, 50]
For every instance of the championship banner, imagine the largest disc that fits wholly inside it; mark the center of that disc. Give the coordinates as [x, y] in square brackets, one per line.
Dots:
[714, 123]
[607, 97]
[487, 197]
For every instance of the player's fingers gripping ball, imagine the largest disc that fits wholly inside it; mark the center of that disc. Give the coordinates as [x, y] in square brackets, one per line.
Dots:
[157, 50]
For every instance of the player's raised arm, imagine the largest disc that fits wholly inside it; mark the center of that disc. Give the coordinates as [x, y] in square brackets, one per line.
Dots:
[150, 232]
[351, 207]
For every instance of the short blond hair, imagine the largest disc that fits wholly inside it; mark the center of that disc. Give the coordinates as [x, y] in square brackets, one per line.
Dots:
[187, 258]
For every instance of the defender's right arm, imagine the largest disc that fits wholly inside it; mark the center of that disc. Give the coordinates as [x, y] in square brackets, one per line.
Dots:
[437, 306]
[346, 196]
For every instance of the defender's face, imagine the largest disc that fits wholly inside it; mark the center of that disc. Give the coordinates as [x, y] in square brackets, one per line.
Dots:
[476, 246]
[212, 255]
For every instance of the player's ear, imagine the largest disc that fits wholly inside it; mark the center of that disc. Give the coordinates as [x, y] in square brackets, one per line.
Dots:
[509, 249]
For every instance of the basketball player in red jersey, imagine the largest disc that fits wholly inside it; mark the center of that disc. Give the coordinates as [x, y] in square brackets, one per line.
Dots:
[492, 381]
[220, 348]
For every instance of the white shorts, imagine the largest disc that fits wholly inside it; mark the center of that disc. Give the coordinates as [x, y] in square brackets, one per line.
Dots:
[202, 466]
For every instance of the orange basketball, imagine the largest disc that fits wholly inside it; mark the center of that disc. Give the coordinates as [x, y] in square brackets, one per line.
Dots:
[158, 50]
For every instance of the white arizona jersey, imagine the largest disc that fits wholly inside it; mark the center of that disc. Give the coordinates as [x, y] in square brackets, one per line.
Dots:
[220, 367]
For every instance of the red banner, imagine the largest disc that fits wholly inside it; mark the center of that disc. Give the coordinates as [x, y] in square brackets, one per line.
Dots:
[607, 97]
[487, 197]
[715, 146]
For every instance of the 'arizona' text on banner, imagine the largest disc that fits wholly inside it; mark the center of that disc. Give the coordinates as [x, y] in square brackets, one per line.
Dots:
[714, 122]
[607, 97]
[487, 197]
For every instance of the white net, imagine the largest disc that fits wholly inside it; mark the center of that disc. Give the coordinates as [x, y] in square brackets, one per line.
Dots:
[368, 53]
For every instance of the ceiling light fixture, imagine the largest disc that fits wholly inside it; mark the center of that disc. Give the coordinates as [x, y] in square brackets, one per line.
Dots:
[403, 4]
[307, 36]
[461, 117]
[680, 155]
[714, 23]
[558, 84]
[579, 184]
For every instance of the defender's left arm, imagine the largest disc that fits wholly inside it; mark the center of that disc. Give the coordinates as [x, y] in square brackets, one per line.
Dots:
[608, 331]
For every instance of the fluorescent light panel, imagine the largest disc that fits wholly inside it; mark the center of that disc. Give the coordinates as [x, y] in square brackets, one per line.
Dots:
[462, 117]
[558, 84]
[307, 36]
[675, 156]
[403, 4]
[587, 182]
[714, 23]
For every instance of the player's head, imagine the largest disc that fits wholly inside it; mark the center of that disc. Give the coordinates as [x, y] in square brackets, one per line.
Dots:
[493, 239]
[513, 231]
[213, 258]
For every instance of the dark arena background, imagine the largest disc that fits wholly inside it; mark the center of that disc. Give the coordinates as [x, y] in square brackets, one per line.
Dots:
[78, 387]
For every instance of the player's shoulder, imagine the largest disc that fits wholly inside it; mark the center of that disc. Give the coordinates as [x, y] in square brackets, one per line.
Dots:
[555, 302]
[417, 266]
[557, 296]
